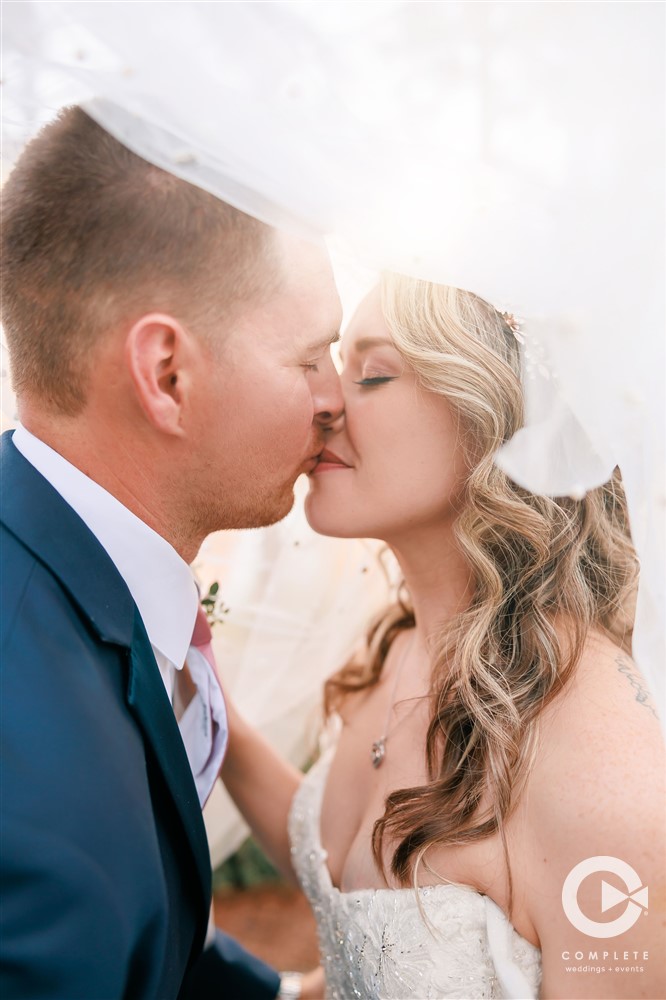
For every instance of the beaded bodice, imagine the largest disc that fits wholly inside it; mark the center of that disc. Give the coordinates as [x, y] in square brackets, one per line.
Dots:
[444, 941]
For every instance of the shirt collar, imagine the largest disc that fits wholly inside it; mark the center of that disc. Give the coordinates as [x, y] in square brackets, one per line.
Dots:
[160, 582]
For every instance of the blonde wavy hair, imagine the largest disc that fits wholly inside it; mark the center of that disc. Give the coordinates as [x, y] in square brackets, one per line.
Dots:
[546, 571]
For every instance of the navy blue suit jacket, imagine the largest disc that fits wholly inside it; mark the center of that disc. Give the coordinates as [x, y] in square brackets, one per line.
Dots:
[105, 871]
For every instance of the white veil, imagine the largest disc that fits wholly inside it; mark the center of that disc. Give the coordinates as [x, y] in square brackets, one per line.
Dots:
[513, 149]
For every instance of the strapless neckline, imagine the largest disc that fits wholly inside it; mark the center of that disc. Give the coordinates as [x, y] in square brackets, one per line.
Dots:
[391, 943]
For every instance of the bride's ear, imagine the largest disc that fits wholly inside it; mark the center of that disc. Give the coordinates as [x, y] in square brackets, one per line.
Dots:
[157, 348]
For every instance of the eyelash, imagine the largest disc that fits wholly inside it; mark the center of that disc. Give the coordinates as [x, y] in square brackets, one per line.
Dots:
[377, 380]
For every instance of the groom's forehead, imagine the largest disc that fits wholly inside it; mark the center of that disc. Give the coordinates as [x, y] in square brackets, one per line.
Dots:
[289, 327]
[303, 315]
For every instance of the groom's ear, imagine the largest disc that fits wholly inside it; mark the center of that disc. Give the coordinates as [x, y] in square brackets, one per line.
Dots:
[157, 350]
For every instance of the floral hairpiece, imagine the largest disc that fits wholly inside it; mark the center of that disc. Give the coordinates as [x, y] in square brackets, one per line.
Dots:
[514, 325]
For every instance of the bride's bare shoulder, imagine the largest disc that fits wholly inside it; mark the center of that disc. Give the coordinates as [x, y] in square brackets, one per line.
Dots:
[606, 711]
[595, 793]
[601, 748]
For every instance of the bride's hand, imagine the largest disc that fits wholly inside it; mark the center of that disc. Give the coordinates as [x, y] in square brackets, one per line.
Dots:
[313, 985]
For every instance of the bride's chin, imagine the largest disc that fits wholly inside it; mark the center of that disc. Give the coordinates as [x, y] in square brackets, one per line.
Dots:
[326, 521]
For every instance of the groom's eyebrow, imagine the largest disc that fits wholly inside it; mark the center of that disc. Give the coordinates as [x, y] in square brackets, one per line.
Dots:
[321, 345]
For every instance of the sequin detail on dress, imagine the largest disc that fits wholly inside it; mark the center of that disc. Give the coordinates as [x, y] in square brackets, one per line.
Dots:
[375, 943]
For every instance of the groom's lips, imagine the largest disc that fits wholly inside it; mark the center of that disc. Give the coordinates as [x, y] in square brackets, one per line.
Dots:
[328, 461]
[311, 463]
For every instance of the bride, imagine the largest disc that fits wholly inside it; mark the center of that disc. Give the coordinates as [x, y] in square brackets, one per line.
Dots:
[495, 733]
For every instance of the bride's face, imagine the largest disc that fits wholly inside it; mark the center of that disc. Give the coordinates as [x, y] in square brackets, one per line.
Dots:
[397, 466]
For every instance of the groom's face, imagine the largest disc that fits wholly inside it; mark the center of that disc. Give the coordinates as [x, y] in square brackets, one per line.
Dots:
[272, 390]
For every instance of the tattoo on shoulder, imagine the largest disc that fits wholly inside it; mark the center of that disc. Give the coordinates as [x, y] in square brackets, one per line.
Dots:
[626, 667]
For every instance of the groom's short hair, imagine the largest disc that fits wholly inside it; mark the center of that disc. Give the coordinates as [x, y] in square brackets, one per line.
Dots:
[93, 235]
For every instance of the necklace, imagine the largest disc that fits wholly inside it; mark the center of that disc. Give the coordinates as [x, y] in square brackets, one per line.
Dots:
[378, 751]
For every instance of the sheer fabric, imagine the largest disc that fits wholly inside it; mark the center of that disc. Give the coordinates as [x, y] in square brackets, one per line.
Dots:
[513, 149]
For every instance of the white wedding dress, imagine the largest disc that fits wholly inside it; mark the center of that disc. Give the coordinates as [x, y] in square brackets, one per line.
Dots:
[446, 941]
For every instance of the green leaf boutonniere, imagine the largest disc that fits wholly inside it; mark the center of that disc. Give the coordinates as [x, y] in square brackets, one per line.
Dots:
[213, 606]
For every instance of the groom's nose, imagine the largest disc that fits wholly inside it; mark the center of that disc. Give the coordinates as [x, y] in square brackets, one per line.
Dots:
[327, 396]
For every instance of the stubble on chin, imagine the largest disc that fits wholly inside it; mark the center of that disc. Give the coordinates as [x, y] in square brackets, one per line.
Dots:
[274, 511]
[255, 509]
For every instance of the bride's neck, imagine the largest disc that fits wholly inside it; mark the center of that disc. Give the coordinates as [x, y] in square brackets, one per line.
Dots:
[438, 578]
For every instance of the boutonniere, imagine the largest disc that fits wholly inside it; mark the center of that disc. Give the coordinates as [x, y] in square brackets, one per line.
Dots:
[213, 605]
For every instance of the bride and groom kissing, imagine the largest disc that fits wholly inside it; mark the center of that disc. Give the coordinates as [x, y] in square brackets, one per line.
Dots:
[171, 358]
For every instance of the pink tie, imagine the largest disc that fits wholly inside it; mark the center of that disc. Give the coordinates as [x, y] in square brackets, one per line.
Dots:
[203, 726]
[202, 638]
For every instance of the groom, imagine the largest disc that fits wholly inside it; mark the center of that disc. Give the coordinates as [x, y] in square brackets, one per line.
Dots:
[171, 361]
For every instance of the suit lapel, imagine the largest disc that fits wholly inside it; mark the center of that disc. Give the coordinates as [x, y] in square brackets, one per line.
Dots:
[39, 517]
[147, 699]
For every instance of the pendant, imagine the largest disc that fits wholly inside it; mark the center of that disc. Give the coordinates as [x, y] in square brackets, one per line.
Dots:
[378, 752]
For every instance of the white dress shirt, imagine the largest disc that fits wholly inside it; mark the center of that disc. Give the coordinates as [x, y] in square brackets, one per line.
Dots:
[163, 588]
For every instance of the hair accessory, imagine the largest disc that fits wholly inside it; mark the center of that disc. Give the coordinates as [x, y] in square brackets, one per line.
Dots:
[536, 360]
[514, 325]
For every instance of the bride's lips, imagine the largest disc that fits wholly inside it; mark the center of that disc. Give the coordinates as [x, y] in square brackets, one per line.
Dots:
[328, 462]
